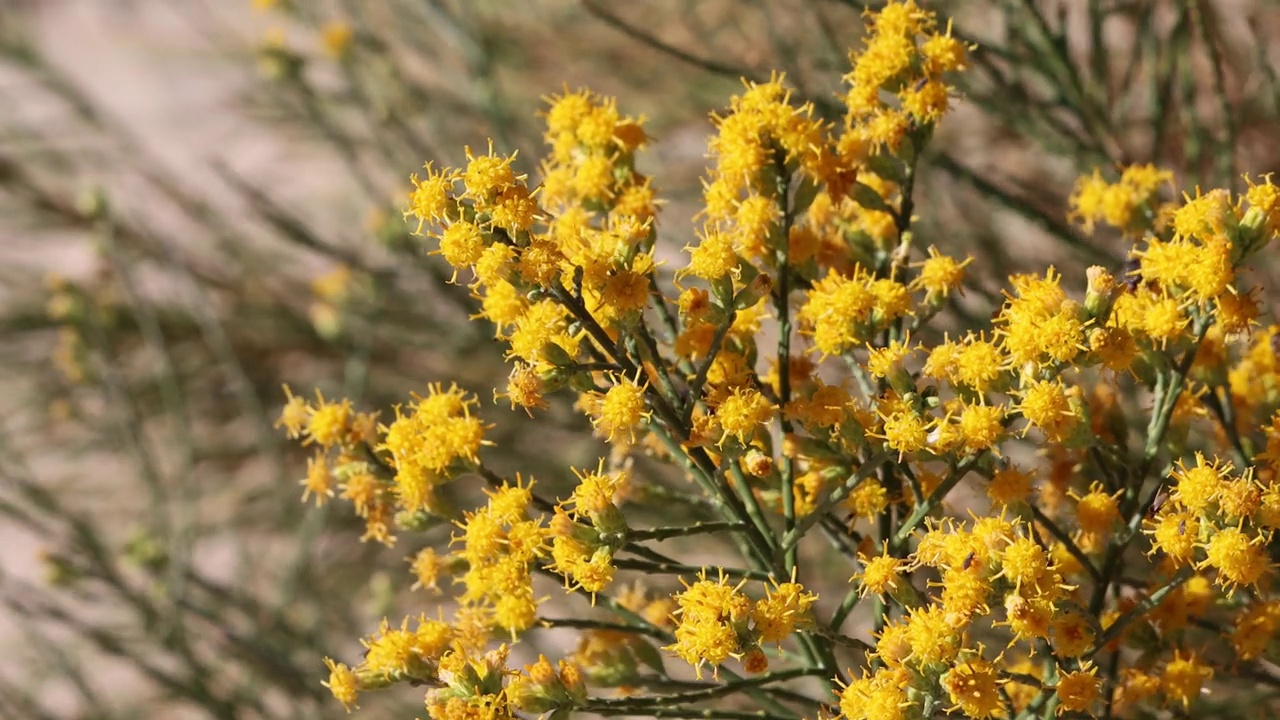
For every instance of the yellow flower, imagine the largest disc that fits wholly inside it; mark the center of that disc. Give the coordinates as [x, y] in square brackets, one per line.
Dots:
[622, 411]
[880, 696]
[319, 481]
[1009, 485]
[437, 430]
[426, 567]
[343, 683]
[939, 274]
[742, 413]
[1096, 511]
[540, 325]
[294, 414]
[888, 360]
[431, 200]
[524, 388]
[1197, 488]
[1176, 534]
[974, 687]
[965, 591]
[868, 500]
[978, 364]
[597, 491]
[1028, 619]
[1184, 676]
[1238, 558]
[1203, 215]
[880, 574]
[462, 244]
[943, 53]
[776, 616]
[981, 427]
[714, 257]
[905, 432]
[836, 308]
[336, 36]
[487, 175]
[1073, 634]
[932, 640]
[1078, 690]
[328, 422]
[709, 616]
[1024, 562]
[1134, 686]
[1254, 628]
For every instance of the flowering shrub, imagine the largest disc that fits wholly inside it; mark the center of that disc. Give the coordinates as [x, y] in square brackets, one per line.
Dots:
[1121, 427]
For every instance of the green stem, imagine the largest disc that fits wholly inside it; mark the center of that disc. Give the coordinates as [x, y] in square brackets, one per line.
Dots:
[1061, 536]
[1168, 388]
[782, 306]
[850, 601]
[704, 367]
[806, 523]
[648, 350]
[664, 533]
[749, 501]
[676, 712]
[724, 498]
[682, 569]
[1225, 412]
[645, 704]
[939, 494]
[1137, 611]
[661, 405]
[584, 624]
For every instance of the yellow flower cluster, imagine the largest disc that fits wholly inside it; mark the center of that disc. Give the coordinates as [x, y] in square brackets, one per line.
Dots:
[717, 622]
[786, 378]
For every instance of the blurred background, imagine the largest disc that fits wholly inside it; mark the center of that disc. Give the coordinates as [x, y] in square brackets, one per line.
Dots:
[200, 200]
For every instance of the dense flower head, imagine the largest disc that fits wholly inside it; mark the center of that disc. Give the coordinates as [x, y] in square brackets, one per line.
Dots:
[1073, 467]
[837, 309]
[621, 410]
[1183, 677]
[1128, 205]
[881, 695]
[940, 275]
[710, 616]
[783, 608]
[973, 685]
[431, 433]
[1078, 690]
[742, 413]
[432, 199]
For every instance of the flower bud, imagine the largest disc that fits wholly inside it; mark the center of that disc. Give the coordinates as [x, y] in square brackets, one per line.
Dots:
[757, 464]
[759, 287]
[1100, 294]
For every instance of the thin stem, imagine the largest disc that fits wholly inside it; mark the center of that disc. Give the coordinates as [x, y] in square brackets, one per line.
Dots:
[782, 307]
[664, 533]
[584, 624]
[704, 367]
[850, 601]
[1061, 536]
[939, 494]
[1225, 412]
[725, 499]
[701, 694]
[792, 538]
[1137, 611]
[677, 712]
[749, 501]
